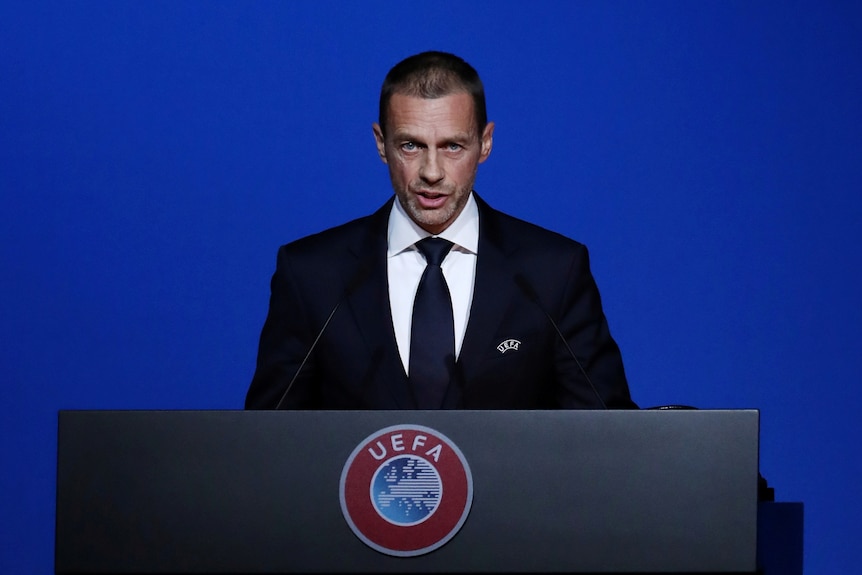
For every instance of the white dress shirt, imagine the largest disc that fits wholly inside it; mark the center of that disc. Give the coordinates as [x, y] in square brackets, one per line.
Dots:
[405, 265]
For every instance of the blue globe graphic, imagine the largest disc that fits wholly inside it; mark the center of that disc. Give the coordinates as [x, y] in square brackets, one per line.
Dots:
[406, 490]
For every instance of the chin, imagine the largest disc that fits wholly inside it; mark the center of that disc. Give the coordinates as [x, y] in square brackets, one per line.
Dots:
[433, 218]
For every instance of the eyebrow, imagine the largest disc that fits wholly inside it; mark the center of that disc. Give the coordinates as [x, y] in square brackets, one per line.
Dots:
[459, 137]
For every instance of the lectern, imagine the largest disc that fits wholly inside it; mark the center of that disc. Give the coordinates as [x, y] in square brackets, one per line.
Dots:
[407, 491]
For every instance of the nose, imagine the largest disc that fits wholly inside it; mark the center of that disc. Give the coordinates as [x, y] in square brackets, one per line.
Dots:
[430, 170]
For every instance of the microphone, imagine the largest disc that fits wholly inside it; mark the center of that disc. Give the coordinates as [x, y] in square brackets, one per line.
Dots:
[531, 294]
[358, 278]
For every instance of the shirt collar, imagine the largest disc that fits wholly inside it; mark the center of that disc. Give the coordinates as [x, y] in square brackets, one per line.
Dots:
[463, 232]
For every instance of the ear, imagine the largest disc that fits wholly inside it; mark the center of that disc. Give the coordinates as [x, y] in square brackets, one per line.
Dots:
[381, 143]
[487, 141]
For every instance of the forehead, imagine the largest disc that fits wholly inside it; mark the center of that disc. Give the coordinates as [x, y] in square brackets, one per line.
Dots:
[451, 114]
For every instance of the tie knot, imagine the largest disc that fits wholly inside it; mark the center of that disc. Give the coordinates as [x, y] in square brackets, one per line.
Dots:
[434, 249]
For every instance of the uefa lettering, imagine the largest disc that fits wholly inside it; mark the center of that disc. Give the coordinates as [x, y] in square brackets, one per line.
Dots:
[406, 490]
[507, 345]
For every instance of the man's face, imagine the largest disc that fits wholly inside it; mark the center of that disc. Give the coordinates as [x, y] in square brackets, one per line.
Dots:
[433, 148]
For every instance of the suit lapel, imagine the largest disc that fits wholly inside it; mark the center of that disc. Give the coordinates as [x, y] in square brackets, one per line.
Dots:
[369, 303]
[493, 291]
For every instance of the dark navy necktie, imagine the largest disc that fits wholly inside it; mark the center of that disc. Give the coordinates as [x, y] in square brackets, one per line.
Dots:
[432, 336]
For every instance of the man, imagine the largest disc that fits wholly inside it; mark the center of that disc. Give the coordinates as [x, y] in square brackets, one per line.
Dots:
[521, 325]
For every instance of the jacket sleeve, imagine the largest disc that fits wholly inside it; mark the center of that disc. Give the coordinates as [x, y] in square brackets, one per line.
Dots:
[591, 367]
[284, 342]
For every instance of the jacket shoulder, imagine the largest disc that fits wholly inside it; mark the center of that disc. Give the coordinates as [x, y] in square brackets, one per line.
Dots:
[353, 236]
[517, 234]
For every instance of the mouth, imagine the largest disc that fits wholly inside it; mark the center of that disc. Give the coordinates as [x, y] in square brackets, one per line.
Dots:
[430, 200]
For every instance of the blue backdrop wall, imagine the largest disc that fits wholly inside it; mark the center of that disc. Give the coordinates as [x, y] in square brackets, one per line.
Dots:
[153, 155]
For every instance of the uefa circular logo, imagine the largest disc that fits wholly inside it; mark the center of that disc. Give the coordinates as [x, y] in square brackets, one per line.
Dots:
[406, 490]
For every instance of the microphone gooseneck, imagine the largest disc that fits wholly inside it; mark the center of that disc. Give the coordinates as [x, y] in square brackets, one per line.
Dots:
[531, 294]
[357, 279]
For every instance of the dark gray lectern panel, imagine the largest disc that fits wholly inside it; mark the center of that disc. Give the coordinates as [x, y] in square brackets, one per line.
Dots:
[258, 492]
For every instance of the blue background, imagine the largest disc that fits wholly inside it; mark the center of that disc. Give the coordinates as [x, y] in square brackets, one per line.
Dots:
[154, 154]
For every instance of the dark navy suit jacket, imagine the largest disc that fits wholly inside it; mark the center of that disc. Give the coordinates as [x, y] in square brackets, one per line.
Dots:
[511, 358]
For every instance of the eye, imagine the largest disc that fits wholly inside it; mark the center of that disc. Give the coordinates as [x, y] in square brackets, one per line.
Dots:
[453, 147]
[408, 146]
